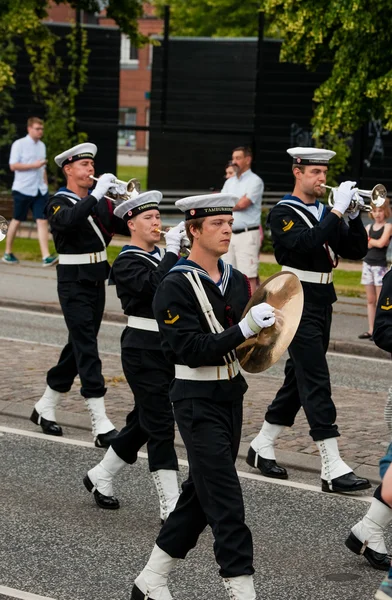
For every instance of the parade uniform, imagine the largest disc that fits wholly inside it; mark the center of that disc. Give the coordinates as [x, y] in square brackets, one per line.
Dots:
[382, 333]
[81, 285]
[307, 239]
[82, 228]
[136, 275]
[208, 414]
[309, 251]
[200, 324]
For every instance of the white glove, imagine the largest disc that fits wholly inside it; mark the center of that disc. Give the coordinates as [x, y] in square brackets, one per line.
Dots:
[260, 316]
[174, 237]
[343, 196]
[104, 183]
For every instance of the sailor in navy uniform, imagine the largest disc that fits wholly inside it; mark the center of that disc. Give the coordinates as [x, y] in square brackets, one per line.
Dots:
[198, 307]
[137, 272]
[367, 536]
[82, 225]
[307, 238]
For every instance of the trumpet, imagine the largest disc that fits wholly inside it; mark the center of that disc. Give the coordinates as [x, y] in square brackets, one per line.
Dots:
[185, 243]
[3, 228]
[122, 190]
[377, 197]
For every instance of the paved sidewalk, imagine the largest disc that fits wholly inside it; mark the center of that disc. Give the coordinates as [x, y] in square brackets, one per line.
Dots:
[23, 369]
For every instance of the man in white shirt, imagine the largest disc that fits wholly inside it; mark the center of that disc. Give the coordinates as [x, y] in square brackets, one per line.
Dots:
[30, 189]
[244, 248]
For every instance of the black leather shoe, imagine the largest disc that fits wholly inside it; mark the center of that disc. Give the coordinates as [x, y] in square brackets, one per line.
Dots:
[137, 594]
[48, 427]
[267, 467]
[108, 502]
[379, 561]
[103, 440]
[346, 483]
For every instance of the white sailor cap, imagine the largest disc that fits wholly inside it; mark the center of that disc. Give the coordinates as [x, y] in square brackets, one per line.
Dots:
[86, 150]
[207, 205]
[310, 156]
[141, 203]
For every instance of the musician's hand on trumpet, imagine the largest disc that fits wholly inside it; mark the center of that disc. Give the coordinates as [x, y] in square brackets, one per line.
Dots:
[177, 242]
[118, 191]
[343, 197]
[104, 183]
[377, 197]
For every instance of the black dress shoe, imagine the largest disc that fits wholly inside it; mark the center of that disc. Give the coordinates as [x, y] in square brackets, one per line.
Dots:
[379, 561]
[108, 502]
[346, 483]
[267, 466]
[137, 594]
[103, 440]
[48, 427]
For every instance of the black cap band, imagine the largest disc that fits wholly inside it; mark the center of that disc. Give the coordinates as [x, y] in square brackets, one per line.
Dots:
[134, 212]
[196, 213]
[72, 159]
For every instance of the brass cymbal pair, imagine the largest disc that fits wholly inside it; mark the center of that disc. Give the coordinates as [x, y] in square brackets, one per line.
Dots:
[284, 292]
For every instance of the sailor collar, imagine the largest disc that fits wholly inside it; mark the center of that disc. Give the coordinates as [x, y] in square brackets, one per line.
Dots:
[295, 201]
[185, 265]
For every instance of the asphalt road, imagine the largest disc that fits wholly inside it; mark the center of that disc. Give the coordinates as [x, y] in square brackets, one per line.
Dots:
[358, 372]
[55, 542]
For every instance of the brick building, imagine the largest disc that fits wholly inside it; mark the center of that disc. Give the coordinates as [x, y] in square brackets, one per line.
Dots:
[135, 71]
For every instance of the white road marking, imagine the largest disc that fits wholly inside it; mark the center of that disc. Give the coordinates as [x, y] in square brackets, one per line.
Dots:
[42, 313]
[184, 463]
[21, 595]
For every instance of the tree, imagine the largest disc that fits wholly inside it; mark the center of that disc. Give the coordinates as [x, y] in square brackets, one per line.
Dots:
[217, 18]
[21, 26]
[355, 37]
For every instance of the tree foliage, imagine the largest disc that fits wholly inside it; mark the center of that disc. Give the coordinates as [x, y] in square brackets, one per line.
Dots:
[21, 26]
[217, 18]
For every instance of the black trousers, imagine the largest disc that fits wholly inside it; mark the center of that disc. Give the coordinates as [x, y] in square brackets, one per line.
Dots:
[151, 421]
[82, 304]
[307, 380]
[212, 493]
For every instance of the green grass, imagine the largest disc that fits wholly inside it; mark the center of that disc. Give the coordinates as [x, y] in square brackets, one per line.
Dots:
[127, 173]
[347, 283]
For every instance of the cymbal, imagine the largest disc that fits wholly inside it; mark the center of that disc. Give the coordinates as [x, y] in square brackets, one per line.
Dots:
[284, 292]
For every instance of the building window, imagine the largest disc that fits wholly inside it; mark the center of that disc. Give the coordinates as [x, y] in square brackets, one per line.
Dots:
[129, 52]
[127, 137]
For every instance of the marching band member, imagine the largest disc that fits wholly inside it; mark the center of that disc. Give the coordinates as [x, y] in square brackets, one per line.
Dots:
[82, 225]
[198, 307]
[137, 272]
[307, 238]
[367, 536]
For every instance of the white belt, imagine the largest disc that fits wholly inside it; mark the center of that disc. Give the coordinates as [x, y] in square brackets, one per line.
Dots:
[142, 323]
[310, 276]
[83, 259]
[217, 373]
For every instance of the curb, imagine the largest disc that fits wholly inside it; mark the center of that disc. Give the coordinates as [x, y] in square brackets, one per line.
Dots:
[293, 460]
[341, 346]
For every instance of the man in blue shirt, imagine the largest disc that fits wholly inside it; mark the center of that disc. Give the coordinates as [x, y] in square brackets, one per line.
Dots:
[244, 248]
[30, 189]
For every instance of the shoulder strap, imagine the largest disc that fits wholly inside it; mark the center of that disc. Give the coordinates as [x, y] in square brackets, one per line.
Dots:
[89, 219]
[329, 251]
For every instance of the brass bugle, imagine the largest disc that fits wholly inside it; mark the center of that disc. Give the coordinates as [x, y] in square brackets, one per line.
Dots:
[377, 198]
[183, 247]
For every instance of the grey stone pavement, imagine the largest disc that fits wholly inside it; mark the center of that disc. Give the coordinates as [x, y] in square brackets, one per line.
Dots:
[23, 367]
